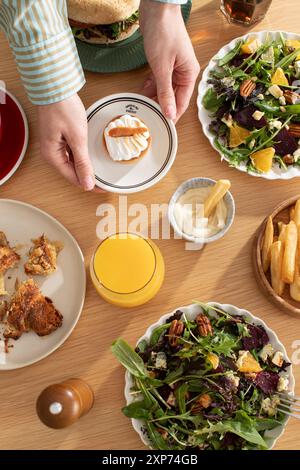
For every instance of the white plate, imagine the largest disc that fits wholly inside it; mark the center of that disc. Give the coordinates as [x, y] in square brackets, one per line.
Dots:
[26, 133]
[141, 173]
[191, 311]
[205, 118]
[66, 286]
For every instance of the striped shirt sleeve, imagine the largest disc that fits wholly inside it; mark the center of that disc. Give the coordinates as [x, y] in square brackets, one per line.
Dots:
[44, 48]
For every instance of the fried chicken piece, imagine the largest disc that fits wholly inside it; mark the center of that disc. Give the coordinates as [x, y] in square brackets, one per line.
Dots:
[29, 310]
[42, 257]
[8, 257]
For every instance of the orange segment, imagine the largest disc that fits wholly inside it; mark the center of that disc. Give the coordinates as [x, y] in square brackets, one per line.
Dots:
[250, 46]
[263, 159]
[293, 44]
[279, 77]
[237, 135]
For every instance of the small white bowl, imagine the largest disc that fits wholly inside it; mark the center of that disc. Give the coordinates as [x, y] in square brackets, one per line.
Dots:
[198, 183]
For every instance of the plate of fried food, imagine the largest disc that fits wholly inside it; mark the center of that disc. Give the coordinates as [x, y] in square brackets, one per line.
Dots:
[132, 145]
[42, 284]
[276, 255]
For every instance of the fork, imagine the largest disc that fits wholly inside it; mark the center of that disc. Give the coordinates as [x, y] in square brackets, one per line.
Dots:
[289, 405]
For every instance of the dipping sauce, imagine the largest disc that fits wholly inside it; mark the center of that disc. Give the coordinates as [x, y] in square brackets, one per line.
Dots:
[126, 138]
[127, 270]
[189, 214]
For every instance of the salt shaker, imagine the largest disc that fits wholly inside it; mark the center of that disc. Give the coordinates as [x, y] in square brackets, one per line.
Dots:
[61, 405]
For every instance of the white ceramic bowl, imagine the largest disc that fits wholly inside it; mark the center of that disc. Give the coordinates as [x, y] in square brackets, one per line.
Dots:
[200, 183]
[205, 118]
[191, 311]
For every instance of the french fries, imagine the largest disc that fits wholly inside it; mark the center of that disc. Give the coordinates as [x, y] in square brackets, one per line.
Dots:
[295, 286]
[217, 192]
[289, 257]
[276, 255]
[280, 253]
[296, 217]
[266, 247]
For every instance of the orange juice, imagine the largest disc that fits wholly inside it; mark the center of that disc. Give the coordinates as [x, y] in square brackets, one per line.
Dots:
[127, 270]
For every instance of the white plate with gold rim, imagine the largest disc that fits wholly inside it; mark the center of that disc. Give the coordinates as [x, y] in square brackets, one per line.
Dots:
[65, 287]
[141, 173]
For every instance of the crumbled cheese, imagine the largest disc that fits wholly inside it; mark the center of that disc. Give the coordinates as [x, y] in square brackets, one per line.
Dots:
[160, 360]
[297, 68]
[171, 399]
[266, 352]
[268, 56]
[286, 127]
[282, 109]
[275, 124]
[283, 384]
[257, 115]
[260, 96]
[296, 154]
[275, 91]
[269, 405]
[282, 100]
[234, 379]
[228, 81]
[251, 144]
[278, 359]
[228, 120]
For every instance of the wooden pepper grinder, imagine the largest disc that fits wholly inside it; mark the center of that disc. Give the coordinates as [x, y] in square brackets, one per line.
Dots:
[60, 405]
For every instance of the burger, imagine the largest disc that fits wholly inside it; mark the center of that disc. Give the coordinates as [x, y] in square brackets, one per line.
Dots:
[103, 21]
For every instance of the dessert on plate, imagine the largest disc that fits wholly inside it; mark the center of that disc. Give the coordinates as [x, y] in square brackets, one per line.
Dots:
[126, 138]
[29, 310]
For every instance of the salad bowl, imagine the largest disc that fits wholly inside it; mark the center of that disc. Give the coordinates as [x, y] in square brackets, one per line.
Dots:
[190, 313]
[273, 111]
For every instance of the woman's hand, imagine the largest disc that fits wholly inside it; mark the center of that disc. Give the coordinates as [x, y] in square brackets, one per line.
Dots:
[170, 55]
[63, 140]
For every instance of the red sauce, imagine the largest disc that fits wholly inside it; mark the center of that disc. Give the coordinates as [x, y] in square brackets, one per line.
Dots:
[12, 136]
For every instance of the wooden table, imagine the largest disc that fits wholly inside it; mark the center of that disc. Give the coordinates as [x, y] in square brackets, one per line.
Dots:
[221, 272]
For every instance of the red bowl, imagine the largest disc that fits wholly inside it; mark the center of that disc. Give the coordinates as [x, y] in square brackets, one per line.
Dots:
[13, 135]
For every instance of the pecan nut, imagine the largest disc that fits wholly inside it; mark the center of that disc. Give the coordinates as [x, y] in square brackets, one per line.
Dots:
[247, 87]
[291, 97]
[175, 331]
[294, 130]
[204, 325]
[203, 402]
[288, 159]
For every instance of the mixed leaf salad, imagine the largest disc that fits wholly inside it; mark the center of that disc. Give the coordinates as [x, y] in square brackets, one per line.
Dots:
[254, 101]
[210, 383]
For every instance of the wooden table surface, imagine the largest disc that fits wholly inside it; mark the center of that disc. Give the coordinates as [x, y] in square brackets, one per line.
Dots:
[221, 272]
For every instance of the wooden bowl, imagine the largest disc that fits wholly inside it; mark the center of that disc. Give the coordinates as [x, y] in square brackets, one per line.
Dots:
[285, 303]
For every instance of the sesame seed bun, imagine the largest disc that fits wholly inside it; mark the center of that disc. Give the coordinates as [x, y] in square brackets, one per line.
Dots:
[101, 11]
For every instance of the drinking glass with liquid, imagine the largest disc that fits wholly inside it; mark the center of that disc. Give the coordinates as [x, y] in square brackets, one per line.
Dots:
[246, 12]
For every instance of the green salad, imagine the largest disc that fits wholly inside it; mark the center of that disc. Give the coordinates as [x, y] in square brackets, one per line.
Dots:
[254, 103]
[208, 383]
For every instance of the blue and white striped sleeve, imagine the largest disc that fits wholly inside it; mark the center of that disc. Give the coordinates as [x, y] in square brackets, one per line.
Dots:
[44, 48]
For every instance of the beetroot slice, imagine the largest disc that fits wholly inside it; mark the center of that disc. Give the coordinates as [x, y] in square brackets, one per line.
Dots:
[285, 143]
[245, 119]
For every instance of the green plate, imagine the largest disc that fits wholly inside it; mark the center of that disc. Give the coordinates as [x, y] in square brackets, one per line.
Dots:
[120, 57]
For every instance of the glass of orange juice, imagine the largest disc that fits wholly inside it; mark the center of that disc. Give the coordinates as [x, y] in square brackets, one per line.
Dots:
[127, 270]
